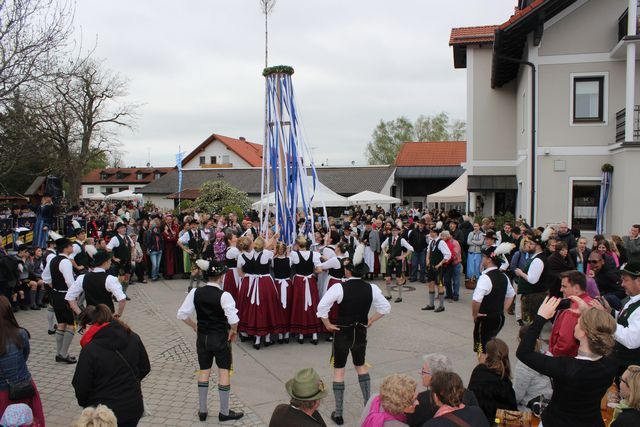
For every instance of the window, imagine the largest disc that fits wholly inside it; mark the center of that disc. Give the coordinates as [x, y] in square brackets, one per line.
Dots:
[212, 160]
[584, 205]
[504, 202]
[157, 175]
[588, 99]
[139, 176]
[120, 175]
[89, 190]
[225, 159]
[202, 160]
[103, 176]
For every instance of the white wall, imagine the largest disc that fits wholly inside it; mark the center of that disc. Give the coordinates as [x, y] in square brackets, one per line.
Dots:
[218, 149]
[159, 200]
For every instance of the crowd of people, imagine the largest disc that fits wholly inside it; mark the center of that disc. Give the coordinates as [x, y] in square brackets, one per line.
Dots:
[245, 282]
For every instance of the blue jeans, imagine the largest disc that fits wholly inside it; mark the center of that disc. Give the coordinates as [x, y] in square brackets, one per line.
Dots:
[473, 265]
[419, 259]
[456, 271]
[155, 264]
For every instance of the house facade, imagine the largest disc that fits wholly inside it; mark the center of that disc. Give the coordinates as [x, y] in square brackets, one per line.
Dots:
[551, 98]
[113, 180]
[219, 151]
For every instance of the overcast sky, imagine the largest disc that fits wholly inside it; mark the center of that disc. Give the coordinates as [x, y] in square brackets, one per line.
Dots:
[196, 66]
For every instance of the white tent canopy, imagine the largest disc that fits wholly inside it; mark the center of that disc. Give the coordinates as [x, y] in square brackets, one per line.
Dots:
[124, 195]
[322, 194]
[371, 197]
[97, 196]
[456, 192]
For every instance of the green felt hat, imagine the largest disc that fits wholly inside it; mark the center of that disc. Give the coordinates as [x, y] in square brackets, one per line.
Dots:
[631, 269]
[306, 385]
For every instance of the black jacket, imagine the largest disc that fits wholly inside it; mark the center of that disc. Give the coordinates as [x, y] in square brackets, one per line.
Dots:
[472, 415]
[492, 391]
[427, 408]
[103, 377]
[556, 265]
[627, 418]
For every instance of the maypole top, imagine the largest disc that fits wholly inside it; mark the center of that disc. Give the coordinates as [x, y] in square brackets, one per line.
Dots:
[278, 69]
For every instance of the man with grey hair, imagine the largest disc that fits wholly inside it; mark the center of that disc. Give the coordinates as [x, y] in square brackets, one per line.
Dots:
[427, 408]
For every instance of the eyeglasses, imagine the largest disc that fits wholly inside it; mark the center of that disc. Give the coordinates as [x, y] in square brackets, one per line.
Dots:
[423, 372]
[622, 380]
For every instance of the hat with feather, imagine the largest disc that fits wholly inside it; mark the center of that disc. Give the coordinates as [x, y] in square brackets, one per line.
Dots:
[497, 254]
[211, 268]
[77, 228]
[356, 264]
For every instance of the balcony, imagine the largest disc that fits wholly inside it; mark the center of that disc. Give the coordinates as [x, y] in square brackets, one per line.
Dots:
[621, 122]
[216, 165]
[623, 25]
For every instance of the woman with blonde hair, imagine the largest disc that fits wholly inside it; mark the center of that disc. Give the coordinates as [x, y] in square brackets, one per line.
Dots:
[578, 383]
[304, 293]
[282, 275]
[245, 270]
[491, 380]
[627, 414]
[397, 397]
[100, 416]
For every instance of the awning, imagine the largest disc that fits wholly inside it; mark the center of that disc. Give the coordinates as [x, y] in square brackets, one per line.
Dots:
[370, 197]
[456, 192]
[417, 172]
[480, 183]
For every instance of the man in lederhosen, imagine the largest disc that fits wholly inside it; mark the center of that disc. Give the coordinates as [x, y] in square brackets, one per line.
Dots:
[99, 287]
[438, 254]
[397, 249]
[492, 296]
[59, 275]
[354, 299]
[79, 257]
[192, 242]
[121, 245]
[217, 327]
[532, 282]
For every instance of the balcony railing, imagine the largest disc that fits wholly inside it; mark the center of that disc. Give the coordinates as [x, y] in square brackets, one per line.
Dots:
[623, 25]
[621, 123]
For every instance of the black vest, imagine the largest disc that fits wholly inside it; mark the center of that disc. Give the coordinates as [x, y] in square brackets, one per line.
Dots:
[627, 356]
[81, 258]
[57, 279]
[338, 273]
[435, 255]
[493, 302]
[123, 250]
[281, 268]
[395, 250]
[230, 263]
[356, 302]
[260, 268]
[211, 317]
[95, 291]
[305, 267]
[249, 265]
[195, 241]
[418, 239]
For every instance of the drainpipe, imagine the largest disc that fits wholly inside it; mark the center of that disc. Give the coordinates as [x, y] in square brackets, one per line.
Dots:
[532, 202]
[632, 19]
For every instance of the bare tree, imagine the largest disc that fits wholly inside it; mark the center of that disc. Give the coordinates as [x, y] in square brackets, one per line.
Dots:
[266, 6]
[31, 34]
[80, 113]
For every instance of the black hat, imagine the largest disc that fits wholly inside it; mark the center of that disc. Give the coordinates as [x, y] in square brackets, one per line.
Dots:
[395, 228]
[491, 235]
[120, 224]
[631, 269]
[78, 231]
[211, 268]
[356, 264]
[23, 247]
[100, 258]
[536, 239]
[346, 228]
[63, 243]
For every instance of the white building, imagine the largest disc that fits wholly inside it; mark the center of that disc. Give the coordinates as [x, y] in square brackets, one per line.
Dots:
[218, 151]
[114, 180]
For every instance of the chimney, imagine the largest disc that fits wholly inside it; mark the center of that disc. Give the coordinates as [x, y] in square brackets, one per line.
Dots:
[242, 138]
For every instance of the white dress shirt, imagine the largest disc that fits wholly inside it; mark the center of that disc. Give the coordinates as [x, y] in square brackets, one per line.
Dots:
[76, 249]
[184, 239]
[335, 294]
[484, 287]
[112, 284]
[535, 271]
[403, 243]
[442, 245]
[114, 242]
[629, 336]
[65, 267]
[226, 300]
[333, 262]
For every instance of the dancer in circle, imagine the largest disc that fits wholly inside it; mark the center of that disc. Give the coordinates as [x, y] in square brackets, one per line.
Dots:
[282, 277]
[304, 295]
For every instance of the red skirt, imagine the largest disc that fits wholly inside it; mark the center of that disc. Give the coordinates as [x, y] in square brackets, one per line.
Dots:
[286, 304]
[34, 403]
[376, 263]
[333, 313]
[262, 312]
[303, 318]
[230, 284]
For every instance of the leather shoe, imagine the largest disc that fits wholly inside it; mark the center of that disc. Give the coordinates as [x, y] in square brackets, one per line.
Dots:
[256, 346]
[398, 299]
[233, 415]
[202, 416]
[34, 307]
[267, 343]
[439, 310]
[300, 340]
[286, 340]
[337, 418]
[429, 307]
[387, 296]
[314, 342]
[69, 360]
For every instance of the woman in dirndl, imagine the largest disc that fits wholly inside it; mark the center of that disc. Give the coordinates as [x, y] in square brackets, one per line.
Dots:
[335, 271]
[232, 278]
[245, 270]
[304, 295]
[282, 277]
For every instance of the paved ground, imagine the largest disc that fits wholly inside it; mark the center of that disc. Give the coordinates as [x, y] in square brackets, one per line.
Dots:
[395, 345]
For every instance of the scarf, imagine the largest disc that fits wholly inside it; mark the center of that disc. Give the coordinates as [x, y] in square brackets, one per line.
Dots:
[446, 409]
[93, 329]
[377, 418]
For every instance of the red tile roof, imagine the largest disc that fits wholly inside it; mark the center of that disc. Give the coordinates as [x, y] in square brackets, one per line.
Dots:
[472, 35]
[249, 151]
[436, 153]
[130, 175]
[520, 13]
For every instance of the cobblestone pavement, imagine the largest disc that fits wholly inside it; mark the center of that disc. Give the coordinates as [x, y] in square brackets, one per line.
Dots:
[395, 345]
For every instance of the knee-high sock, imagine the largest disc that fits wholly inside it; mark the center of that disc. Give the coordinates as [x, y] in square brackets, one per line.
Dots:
[32, 297]
[400, 290]
[203, 390]
[59, 339]
[66, 343]
[388, 289]
[51, 318]
[224, 391]
[365, 386]
[432, 298]
[441, 299]
[40, 297]
[338, 393]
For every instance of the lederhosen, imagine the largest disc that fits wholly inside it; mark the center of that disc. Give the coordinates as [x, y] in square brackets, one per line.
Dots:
[95, 290]
[435, 257]
[81, 258]
[626, 356]
[213, 329]
[353, 316]
[492, 306]
[195, 244]
[394, 265]
[59, 290]
[123, 253]
[351, 247]
[532, 295]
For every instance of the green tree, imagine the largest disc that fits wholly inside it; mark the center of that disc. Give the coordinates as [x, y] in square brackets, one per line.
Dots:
[389, 136]
[218, 197]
